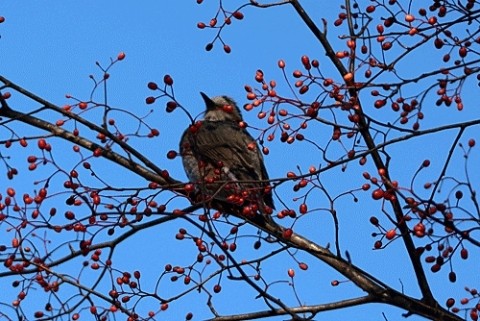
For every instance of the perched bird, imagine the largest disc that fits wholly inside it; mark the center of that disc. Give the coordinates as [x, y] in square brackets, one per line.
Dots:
[225, 163]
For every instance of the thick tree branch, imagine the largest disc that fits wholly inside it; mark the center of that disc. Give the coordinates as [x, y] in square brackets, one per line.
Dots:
[369, 284]
[321, 36]
[364, 129]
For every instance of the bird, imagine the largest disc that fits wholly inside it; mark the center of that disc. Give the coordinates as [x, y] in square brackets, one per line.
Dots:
[225, 163]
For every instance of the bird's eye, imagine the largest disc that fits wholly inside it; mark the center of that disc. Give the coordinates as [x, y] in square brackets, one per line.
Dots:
[228, 108]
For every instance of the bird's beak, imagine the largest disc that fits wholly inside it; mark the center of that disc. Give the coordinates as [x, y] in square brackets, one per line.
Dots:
[210, 104]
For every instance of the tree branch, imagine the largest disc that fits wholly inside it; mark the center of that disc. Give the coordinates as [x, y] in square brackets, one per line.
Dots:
[310, 309]
[59, 132]
[364, 129]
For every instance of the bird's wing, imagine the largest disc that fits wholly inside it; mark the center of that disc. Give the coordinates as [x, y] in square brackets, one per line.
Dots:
[215, 142]
[228, 143]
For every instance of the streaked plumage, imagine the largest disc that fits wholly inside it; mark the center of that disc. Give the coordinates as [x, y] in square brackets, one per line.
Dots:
[225, 163]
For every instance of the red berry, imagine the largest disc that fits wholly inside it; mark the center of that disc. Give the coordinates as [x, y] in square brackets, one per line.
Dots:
[409, 18]
[305, 60]
[390, 234]
[474, 314]
[153, 86]
[287, 233]
[303, 208]
[303, 89]
[380, 103]
[438, 43]
[338, 22]
[450, 302]
[168, 80]
[171, 154]
[238, 15]
[386, 45]
[435, 268]
[419, 230]
[348, 77]
[150, 100]
[188, 188]
[377, 194]
[458, 194]
[10, 192]
[171, 105]
[374, 220]
[97, 152]
[452, 276]
[38, 314]
[291, 273]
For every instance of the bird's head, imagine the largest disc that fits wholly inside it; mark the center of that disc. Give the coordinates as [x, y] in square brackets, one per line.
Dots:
[221, 108]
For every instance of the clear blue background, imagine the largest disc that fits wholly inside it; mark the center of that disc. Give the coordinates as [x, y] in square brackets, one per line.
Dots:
[51, 47]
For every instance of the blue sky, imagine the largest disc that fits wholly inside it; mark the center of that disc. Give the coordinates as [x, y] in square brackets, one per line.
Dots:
[50, 48]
